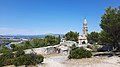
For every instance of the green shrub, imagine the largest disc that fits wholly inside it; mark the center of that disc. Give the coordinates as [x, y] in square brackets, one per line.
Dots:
[13, 46]
[5, 50]
[20, 59]
[88, 46]
[79, 53]
[39, 59]
[19, 53]
[8, 62]
[28, 59]
[6, 59]
[7, 55]
[73, 47]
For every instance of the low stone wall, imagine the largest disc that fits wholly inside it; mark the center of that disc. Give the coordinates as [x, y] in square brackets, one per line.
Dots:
[42, 50]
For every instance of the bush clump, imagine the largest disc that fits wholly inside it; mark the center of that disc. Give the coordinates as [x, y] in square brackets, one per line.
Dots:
[20, 53]
[28, 59]
[5, 50]
[20, 58]
[79, 53]
[88, 46]
[6, 59]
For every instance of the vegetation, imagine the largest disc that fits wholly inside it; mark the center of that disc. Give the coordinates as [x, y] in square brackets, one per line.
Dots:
[20, 58]
[6, 59]
[105, 38]
[34, 43]
[78, 53]
[93, 37]
[28, 59]
[5, 50]
[37, 42]
[12, 46]
[51, 40]
[59, 39]
[89, 46]
[72, 36]
[41, 42]
[110, 23]
[19, 53]
[110, 35]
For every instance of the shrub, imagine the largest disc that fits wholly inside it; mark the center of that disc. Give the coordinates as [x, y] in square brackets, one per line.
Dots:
[5, 50]
[79, 53]
[6, 59]
[28, 59]
[19, 53]
[88, 46]
[39, 59]
[13, 46]
[20, 59]
[7, 56]
[73, 47]
[8, 62]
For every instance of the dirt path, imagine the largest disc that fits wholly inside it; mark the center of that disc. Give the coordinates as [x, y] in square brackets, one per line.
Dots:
[94, 62]
[62, 61]
[54, 61]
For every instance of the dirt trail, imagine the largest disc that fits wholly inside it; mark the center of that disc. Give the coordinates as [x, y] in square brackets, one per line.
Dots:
[54, 61]
[62, 61]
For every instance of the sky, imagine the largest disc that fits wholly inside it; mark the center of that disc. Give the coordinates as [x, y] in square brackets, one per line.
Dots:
[35, 17]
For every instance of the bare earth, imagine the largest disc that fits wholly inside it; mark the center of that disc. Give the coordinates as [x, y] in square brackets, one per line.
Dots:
[62, 61]
[57, 60]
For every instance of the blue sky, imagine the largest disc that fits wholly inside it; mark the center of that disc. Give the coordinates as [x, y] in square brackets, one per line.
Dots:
[51, 16]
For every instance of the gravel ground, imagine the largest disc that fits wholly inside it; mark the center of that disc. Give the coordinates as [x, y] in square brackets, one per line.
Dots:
[56, 60]
[62, 61]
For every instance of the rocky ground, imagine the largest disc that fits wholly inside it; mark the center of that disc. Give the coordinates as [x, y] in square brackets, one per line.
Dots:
[62, 61]
[57, 60]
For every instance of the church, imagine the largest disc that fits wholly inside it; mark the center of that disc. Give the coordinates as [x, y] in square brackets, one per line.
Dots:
[82, 39]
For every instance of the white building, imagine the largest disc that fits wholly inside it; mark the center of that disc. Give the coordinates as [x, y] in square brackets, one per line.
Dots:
[82, 39]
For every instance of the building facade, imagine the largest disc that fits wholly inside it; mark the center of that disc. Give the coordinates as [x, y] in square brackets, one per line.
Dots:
[82, 39]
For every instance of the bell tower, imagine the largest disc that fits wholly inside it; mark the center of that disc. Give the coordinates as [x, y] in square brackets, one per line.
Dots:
[85, 28]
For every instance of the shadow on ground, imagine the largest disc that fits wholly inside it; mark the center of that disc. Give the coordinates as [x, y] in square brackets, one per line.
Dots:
[108, 54]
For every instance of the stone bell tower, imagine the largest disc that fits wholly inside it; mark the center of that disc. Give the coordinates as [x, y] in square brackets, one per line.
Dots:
[85, 28]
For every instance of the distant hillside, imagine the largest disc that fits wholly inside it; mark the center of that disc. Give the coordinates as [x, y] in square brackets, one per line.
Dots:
[31, 36]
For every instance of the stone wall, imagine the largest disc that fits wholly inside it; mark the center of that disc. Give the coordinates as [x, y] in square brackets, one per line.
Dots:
[42, 50]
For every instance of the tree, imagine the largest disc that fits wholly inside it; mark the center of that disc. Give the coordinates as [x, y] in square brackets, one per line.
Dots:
[72, 36]
[38, 42]
[13, 46]
[59, 38]
[93, 37]
[27, 45]
[51, 40]
[110, 23]
[105, 39]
